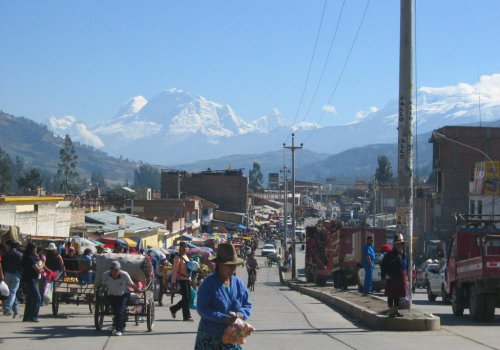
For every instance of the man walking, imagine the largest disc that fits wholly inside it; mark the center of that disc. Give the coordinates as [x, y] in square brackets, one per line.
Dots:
[12, 272]
[368, 265]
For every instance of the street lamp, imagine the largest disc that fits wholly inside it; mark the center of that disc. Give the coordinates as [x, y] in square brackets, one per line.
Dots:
[438, 135]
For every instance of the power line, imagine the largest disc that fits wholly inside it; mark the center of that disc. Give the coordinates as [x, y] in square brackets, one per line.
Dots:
[343, 68]
[326, 62]
[311, 62]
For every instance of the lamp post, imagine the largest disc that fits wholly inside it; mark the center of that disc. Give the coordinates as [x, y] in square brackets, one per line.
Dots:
[438, 135]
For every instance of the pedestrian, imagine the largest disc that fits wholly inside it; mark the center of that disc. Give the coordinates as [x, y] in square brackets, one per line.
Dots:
[31, 270]
[181, 275]
[222, 298]
[42, 280]
[71, 265]
[86, 267]
[54, 264]
[392, 270]
[11, 264]
[252, 265]
[368, 264]
[116, 284]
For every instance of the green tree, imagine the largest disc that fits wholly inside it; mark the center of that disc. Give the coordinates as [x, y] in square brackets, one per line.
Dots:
[147, 176]
[67, 166]
[5, 171]
[97, 179]
[255, 178]
[31, 180]
[383, 174]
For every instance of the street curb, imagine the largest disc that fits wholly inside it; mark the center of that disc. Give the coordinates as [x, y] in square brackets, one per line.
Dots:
[369, 318]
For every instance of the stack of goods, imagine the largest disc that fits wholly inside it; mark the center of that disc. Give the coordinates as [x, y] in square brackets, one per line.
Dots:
[138, 267]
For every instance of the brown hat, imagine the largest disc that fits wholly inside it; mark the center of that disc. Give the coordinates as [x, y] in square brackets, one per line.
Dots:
[226, 254]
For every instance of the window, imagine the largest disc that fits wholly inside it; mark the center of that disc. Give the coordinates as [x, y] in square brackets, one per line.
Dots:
[479, 207]
[472, 207]
[439, 183]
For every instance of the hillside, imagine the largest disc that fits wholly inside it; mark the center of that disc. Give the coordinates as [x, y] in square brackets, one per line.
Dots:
[39, 148]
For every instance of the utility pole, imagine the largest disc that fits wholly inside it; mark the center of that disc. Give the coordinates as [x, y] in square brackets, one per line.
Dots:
[179, 184]
[293, 148]
[285, 172]
[404, 209]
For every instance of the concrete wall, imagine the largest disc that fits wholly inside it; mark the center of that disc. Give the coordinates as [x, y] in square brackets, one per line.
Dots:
[37, 219]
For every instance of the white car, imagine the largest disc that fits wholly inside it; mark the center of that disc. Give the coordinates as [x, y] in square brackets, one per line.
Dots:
[436, 283]
[268, 249]
[377, 285]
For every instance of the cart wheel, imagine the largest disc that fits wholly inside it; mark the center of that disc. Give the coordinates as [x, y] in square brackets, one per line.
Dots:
[150, 315]
[55, 303]
[99, 311]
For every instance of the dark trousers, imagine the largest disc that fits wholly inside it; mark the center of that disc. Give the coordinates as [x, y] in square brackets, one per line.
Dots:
[393, 302]
[184, 302]
[33, 299]
[119, 304]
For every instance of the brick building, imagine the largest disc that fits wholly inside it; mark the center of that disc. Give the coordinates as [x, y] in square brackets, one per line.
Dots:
[228, 189]
[453, 168]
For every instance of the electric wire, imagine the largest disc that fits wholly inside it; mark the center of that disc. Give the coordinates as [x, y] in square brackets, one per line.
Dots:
[343, 68]
[310, 66]
[326, 62]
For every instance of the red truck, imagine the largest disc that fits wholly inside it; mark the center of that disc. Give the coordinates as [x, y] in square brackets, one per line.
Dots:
[334, 252]
[473, 272]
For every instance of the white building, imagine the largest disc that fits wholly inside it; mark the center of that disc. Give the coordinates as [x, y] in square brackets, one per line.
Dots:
[38, 216]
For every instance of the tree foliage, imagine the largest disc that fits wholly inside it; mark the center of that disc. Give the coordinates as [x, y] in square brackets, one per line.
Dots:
[31, 180]
[5, 171]
[67, 166]
[97, 179]
[147, 176]
[383, 174]
[255, 178]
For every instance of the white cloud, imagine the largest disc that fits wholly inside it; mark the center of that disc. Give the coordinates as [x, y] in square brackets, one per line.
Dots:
[488, 88]
[360, 115]
[87, 137]
[76, 130]
[330, 109]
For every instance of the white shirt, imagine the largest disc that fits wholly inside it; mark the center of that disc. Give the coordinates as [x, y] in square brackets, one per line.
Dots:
[117, 286]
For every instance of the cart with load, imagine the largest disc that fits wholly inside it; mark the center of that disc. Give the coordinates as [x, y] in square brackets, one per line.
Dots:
[69, 290]
[140, 304]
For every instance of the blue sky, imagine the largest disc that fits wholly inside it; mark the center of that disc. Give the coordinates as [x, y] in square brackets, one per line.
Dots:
[86, 58]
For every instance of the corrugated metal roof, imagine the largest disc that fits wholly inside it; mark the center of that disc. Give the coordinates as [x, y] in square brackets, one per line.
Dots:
[131, 223]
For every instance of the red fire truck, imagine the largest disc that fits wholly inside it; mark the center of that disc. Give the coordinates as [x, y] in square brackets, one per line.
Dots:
[334, 252]
[473, 272]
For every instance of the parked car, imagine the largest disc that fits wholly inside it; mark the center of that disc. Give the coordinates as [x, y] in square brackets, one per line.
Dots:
[437, 283]
[378, 282]
[422, 273]
[268, 249]
[271, 241]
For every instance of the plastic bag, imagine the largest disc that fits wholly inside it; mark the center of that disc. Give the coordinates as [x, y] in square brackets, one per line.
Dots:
[4, 289]
[47, 293]
[192, 299]
[237, 332]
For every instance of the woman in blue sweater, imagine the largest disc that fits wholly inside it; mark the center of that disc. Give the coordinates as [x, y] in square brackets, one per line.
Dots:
[222, 298]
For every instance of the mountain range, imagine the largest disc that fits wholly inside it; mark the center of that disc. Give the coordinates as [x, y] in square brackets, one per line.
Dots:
[177, 130]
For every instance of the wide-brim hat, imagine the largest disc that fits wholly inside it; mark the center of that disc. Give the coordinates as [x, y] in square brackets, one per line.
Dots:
[51, 246]
[399, 238]
[226, 254]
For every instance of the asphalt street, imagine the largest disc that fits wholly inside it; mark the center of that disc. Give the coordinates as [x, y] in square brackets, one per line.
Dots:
[283, 319]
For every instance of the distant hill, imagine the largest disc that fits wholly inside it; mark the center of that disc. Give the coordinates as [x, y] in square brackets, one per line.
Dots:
[39, 148]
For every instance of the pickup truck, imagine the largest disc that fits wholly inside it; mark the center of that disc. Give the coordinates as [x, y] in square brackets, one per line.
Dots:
[436, 283]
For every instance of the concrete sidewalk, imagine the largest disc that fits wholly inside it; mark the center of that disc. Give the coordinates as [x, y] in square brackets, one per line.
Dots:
[369, 310]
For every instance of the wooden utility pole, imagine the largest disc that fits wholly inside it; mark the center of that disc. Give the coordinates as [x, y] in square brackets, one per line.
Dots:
[405, 136]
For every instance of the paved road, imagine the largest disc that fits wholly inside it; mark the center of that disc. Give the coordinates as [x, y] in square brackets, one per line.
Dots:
[283, 318]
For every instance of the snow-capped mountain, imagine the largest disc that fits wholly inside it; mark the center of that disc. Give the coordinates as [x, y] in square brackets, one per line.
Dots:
[175, 127]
